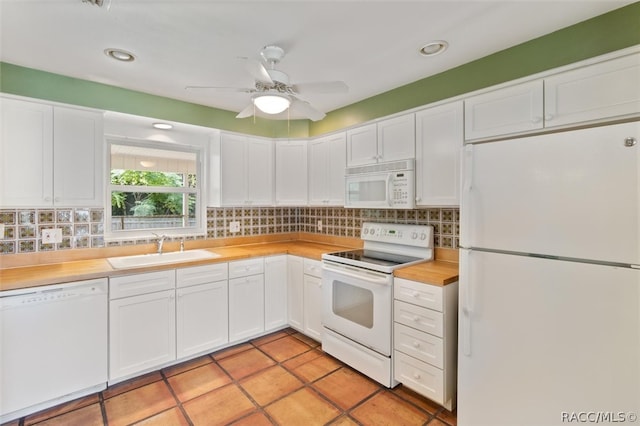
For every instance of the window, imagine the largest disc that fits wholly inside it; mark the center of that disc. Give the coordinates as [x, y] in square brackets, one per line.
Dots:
[153, 188]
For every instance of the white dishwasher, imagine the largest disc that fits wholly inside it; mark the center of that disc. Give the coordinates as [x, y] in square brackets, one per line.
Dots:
[53, 345]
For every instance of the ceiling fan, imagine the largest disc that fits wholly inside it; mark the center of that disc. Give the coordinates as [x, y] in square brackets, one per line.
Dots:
[273, 93]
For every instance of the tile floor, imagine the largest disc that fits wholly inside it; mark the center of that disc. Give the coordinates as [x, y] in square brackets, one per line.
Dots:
[282, 378]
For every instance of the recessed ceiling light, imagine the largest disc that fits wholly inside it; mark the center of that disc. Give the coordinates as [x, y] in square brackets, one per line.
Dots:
[163, 126]
[434, 47]
[120, 55]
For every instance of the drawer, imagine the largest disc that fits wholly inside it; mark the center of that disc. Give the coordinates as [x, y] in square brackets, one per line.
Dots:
[243, 268]
[419, 318]
[133, 285]
[423, 346]
[425, 295]
[186, 277]
[423, 378]
[312, 267]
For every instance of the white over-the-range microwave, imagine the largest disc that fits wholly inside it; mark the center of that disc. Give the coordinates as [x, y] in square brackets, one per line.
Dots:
[381, 186]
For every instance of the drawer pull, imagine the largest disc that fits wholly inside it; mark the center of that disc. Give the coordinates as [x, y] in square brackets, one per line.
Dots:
[416, 345]
[416, 318]
[415, 294]
[417, 376]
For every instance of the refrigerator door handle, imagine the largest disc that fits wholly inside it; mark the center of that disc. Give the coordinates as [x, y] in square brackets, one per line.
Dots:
[466, 302]
[467, 186]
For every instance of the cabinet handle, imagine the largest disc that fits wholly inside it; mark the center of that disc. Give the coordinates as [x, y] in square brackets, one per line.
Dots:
[47, 198]
[548, 117]
[415, 294]
[417, 376]
[536, 120]
[416, 345]
[416, 318]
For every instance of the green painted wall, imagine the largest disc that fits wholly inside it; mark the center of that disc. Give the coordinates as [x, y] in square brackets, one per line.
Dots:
[606, 33]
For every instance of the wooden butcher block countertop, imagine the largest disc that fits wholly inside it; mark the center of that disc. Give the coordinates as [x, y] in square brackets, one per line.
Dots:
[21, 271]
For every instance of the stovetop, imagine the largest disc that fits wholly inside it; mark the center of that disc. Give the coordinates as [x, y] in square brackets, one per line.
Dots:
[388, 246]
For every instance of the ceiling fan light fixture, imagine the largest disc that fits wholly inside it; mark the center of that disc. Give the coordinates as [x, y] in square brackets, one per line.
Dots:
[271, 103]
[434, 48]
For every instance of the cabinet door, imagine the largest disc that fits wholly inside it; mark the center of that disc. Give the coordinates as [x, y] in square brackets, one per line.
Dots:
[77, 158]
[337, 162]
[246, 307]
[275, 292]
[313, 307]
[233, 176]
[202, 318]
[439, 140]
[505, 111]
[362, 145]
[259, 171]
[397, 138]
[291, 173]
[605, 90]
[318, 165]
[26, 152]
[142, 333]
[295, 291]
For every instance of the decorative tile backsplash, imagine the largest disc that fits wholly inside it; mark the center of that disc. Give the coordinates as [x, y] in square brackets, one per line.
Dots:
[84, 227]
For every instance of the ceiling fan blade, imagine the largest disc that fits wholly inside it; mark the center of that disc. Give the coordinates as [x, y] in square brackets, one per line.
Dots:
[321, 87]
[220, 88]
[258, 71]
[304, 108]
[247, 112]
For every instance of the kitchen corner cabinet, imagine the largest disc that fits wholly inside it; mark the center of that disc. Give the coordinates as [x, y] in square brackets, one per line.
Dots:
[246, 298]
[54, 153]
[201, 309]
[327, 161]
[246, 170]
[142, 323]
[291, 172]
[312, 296]
[387, 140]
[275, 292]
[425, 339]
[439, 140]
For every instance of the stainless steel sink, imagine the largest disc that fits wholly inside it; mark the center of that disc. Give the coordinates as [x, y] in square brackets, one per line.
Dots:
[124, 262]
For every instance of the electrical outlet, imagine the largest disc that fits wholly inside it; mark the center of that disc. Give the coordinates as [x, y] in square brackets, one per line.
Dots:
[1, 231]
[51, 236]
[234, 226]
[319, 225]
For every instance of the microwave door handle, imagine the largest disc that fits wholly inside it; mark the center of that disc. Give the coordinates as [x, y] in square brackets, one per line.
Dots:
[389, 194]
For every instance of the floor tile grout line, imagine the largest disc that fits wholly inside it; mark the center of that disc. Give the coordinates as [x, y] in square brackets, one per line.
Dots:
[165, 379]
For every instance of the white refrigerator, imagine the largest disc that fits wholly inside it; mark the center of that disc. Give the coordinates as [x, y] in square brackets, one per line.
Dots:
[549, 318]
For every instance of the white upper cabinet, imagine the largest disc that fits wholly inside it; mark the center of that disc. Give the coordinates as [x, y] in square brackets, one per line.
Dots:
[246, 170]
[291, 173]
[50, 155]
[514, 109]
[596, 92]
[439, 140]
[386, 140]
[397, 138]
[591, 93]
[327, 161]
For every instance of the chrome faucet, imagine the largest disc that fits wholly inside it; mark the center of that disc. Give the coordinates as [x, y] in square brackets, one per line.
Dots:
[160, 242]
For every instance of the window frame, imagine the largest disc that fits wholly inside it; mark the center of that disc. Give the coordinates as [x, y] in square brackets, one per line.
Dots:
[148, 233]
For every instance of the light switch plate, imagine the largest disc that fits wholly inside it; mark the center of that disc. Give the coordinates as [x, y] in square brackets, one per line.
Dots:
[51, 236]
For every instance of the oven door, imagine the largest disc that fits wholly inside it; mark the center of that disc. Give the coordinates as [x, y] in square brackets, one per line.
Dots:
[356, 303]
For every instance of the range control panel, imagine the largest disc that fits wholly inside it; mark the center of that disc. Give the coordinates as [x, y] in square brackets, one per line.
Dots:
[415, 235]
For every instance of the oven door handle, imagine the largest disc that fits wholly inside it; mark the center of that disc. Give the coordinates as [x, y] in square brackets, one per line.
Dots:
[358, 273]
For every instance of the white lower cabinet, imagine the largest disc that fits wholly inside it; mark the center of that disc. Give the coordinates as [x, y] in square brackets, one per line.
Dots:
[275, 292]
[202, 315]
[142, 324]
[246, 298]
[295, 292]
[304, 283]
[425, 339]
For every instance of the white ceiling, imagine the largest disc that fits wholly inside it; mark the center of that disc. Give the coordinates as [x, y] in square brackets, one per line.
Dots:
[370, 45]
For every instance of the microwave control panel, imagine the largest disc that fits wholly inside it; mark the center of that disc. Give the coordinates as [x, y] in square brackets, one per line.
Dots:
[401, 190]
